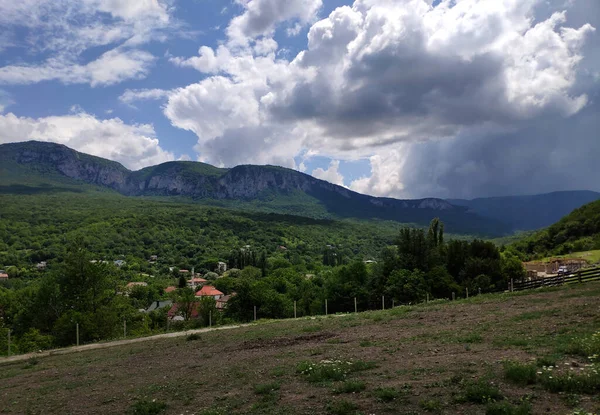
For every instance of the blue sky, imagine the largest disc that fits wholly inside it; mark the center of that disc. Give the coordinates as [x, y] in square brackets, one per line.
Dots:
[399, 98]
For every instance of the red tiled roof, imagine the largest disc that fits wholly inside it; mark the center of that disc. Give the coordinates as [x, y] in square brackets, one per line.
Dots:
[208, 290]
[3, 276]
[170, 289]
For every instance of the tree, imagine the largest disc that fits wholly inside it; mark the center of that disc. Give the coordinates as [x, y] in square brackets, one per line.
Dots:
[185, 299]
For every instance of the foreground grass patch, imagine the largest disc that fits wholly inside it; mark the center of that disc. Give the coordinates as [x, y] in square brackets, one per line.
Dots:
[331, 370]
[481, 391]
[506, 408]
[519, 373]
[146, 407]
[350, 386]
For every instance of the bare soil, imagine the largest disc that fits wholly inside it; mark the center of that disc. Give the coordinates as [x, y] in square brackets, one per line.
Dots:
[426, 353]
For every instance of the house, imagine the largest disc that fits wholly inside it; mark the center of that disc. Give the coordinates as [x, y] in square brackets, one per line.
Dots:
[119, 262]
[3, 276]
[370, 261]
[222, 302]
[184, 271]
[221, 267]
[153, 258]
[282, 248]
[551, 267]
[136, 284]
[42, 265]
[209, 291]
[196, 281]
[173, 313]
[158, 304]
[170, 289]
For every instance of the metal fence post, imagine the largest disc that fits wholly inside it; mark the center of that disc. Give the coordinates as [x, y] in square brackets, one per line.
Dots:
[453, 296]
[210, 318]
[383, 302]
[467, 291]
[326, 311]
[254, 313]
[77, 332]
[355, 306]
[9, 342]
[125, 329]
[295, 315]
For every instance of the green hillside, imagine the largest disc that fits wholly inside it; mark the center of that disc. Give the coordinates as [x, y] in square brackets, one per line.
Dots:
[576, 232]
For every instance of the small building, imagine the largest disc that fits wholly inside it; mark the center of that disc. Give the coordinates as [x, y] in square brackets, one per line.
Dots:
[222, 302]
[158, 305]
[119, 262]
[136, 284]
[282, 248]
[41, 265]
[196, 282]
[153, 258]
[370, 261]
[209, 291]
[221, 267]
[3, 276]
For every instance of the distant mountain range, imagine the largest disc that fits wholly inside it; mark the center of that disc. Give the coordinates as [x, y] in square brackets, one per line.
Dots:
[31, 167]
[529, 212]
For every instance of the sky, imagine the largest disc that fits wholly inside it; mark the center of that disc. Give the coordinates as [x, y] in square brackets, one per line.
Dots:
[395, 98]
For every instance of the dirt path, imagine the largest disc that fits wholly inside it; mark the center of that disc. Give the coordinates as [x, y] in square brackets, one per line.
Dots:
[75, 349]
[116, 343]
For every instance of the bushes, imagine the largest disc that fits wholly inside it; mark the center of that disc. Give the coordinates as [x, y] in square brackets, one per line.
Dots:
[506, 408]
[480, 392]
[331, 370]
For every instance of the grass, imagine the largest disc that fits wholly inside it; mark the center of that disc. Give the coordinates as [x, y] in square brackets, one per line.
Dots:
[350, 386]
[147, 407]
[480, 392]
[506, 408]
[519, 373]
[387, 394]
[192, 337]
[420, 364]
[267, 388]
[342, 407]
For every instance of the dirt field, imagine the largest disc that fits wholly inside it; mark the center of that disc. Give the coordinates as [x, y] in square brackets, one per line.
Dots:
[437, 358]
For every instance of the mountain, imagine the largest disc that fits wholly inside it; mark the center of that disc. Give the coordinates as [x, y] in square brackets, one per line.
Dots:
[576, 232]
[262, 188]
[524, 213]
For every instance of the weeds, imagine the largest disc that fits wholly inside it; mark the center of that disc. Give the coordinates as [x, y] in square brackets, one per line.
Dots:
[350, 386]
[506, 408]
[386, 394]
[331, 370]
[341, 407]
[480, 392]
[431, 405]
[519, 373]
[192, 337]
[146, 407]
[267, 388]
[574, 380]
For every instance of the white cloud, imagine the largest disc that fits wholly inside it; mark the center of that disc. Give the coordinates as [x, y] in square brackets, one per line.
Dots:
[135, 146]
[386, 176]
[132, 95]
[332, 175]
[261, 17]
[110, 68]
[377, 76]
[65, 29]
[5, 100]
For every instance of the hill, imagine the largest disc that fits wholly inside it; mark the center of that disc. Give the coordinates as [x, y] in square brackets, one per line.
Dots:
[578, 231]
[524, 213]
[42, 166]
[494, 354]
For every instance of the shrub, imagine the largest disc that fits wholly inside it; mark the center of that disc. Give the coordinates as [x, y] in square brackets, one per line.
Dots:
[519, 373]
[350, 386]
[341, 408]
[588, 347]
[506, 408]
[386, 394]
[193, 337]
[146, 407]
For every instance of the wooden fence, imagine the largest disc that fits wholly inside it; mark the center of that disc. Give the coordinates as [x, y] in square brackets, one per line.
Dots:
[584, 275]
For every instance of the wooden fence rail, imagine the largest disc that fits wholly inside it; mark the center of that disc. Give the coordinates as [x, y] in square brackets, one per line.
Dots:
[590, 274]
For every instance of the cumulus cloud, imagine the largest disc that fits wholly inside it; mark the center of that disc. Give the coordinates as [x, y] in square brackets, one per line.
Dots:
[384, 78]
[331, 175]
[65, 29]
[133, 145]
[261, 17]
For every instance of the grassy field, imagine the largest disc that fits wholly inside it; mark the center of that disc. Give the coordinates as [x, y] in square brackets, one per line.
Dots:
[592, 257]
[521, 353]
